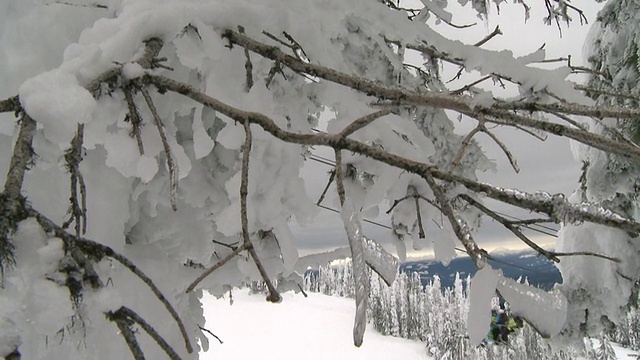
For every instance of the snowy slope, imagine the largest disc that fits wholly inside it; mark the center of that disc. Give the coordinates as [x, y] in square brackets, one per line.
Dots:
[317, 327]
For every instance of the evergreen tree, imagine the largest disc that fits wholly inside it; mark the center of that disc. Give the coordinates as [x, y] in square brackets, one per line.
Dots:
[598, 300]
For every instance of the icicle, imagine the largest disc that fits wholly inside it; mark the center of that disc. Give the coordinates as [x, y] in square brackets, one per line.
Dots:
[380, 261]
[360, 276]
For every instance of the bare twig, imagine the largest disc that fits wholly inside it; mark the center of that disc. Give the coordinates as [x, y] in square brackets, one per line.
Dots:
[398, 201]
[493, 34]
[171, 165]
[326, 188]
[215, 267]
[273, 296]
[504, 148]
[211, 333]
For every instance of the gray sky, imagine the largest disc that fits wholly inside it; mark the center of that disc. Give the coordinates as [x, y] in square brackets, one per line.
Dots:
[547, 165]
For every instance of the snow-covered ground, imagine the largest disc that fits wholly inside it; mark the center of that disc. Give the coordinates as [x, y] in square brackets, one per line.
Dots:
[317, 327]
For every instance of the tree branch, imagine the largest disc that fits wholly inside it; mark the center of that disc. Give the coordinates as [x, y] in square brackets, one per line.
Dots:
[273, 296]
[218, 265]
[173, 168]
[129, 315]
[556, 207]
[97, 251]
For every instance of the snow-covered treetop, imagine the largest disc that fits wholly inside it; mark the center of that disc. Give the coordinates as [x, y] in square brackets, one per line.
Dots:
[170, 134]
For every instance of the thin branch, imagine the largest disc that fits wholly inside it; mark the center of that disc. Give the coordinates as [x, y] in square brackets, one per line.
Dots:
[273, 296]
[134, 118]
[421, 233]
[464, 145]
[125, 312]
[77, 210]
[173, 168]
[493, 34]
[230, 246]
[508, 225]
[363, 121]
[211, 333]
[587, 253]
[215, 267]
[504, 148]
[459, 226]
[469, 86]
[98, 251]
[124, 325]
[339, 177]
[326, 188]
[248, 66]
[398, 201]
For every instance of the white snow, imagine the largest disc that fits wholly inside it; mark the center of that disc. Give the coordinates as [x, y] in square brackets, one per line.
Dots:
[314, 328]
[56, 101]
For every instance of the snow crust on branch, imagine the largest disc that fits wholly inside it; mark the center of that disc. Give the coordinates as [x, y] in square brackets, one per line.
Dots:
[162, 180]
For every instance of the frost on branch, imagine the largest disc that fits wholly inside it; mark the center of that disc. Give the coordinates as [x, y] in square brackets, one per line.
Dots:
[166, 92]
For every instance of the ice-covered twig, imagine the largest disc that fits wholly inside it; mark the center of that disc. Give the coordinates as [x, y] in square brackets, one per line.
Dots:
[171, 165]
[133, 117]
[97, 251]
[218, 265]
[512, 160]
[273, 296]
[248, 66]
[77, 210]
[501, 111]
[339, 177]
[128, 316]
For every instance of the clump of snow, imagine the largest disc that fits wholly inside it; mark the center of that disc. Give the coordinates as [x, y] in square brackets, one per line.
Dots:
[56, 100]
[545, 311]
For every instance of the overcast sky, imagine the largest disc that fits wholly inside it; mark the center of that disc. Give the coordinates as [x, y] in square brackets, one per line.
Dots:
[547, 165]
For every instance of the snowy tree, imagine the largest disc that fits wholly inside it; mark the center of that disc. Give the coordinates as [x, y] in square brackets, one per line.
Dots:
[599, 299]
[160, 142]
